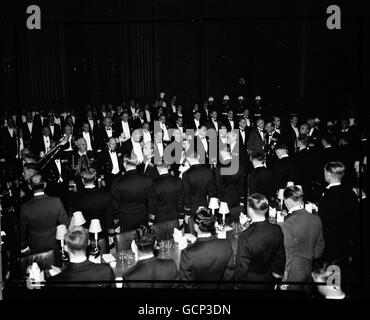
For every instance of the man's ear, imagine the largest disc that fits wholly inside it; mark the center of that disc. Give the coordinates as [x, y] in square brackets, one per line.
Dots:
[88, 242]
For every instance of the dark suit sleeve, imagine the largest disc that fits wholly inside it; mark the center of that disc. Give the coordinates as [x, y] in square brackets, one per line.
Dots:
[62, 214]
[24, 229]
[230, 268]
[289, 249]
[115, 202]
[320, 243]
[187, 191]
[152, 204]
[252, 183]
[180, 202]
[243, 258]
[279, 260]
[185, 273]
[212, 189]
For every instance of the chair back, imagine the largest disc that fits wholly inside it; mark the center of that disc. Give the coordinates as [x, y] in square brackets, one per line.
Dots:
[43, 259]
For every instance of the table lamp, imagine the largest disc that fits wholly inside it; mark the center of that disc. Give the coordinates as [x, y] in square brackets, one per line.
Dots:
[213, 205]
[95, 228]
[224, 210]
[78, 219]
[61, 232]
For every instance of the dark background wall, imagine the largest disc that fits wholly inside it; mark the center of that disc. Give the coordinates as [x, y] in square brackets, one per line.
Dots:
[92, 52]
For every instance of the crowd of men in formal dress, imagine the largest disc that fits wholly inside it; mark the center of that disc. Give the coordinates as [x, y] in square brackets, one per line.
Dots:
[104, 163]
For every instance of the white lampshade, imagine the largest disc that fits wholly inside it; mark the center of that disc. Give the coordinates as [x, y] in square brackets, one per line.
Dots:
[78, 219]
[281, 194]
[61, 232]
[213, 203]
[224, 208]
[95, 226]
[290, 184]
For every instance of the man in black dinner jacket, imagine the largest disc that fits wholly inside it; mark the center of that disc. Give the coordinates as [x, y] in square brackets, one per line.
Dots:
[39, 218]
[149, 267]
[261, 252]
[261, 179]
[339, 213]
[285, 167]
[93, 202]
[198, 183]
[111, 163]
[80, 270]
[165, 199]
[129, 196]
[208, 259]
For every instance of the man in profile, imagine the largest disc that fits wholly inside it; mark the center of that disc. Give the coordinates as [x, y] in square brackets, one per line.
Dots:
[148, 266]
[81, 271]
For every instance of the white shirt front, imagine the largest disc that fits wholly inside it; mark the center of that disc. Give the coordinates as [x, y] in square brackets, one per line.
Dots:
[261, 134]
[59, 167]
[126, 129]
[86, 136]
[248, 121]
[160, 149]
[24, 119]
[133, 112]
[205, 144]
[146, 136]
[311, 131]
[295, 131]
[166, 137]
[196, 123]
[242, 133]
[109, 132]
[173, 108]
[147, 114]
[232, 146]
[231, 124]
[137, 150]
[46, 143]
[11, 131]
[215, 124]
[114, 159]
[30, 125]
[181, 129]
[70, 144]
[91, 122]
[52, 129]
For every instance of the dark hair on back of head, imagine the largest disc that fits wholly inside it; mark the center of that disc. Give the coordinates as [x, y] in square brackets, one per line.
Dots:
[336, 168]
[304, 139]
[205, 220]
[294, 193]
[281, 146]
[258, 202]
[145, 238]
[258, 156]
